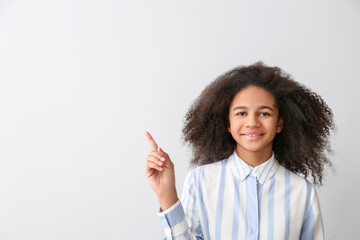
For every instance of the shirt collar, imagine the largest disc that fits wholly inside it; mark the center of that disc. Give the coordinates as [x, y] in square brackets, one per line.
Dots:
[263, 172]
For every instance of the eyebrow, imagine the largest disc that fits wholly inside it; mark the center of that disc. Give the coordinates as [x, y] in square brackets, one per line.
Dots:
[260, 107]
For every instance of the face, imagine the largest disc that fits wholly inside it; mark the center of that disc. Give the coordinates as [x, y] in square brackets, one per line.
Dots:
[254, 121]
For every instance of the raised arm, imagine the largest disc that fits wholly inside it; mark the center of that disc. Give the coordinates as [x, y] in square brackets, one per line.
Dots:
[160, 174]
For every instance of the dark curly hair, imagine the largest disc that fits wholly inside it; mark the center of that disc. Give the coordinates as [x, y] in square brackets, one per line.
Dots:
[300, 147]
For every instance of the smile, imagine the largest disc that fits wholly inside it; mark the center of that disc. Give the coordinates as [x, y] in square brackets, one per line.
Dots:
[253, 136]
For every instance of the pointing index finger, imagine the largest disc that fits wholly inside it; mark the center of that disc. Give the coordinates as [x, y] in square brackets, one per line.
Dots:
[151, 141]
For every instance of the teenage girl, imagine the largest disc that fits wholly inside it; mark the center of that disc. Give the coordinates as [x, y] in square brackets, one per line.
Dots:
[256, 135]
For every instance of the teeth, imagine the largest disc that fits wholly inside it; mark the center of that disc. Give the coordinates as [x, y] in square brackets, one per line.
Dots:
[253, 135]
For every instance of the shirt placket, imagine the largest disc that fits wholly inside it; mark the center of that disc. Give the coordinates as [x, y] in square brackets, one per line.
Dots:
[252, 209]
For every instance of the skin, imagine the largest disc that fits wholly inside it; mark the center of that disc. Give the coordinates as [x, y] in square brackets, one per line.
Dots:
[254, 122]
[160, 174]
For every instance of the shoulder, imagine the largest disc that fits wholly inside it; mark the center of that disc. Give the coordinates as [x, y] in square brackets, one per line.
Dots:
[209, 172]
[298, 185]
[211, 167]
[294, 178]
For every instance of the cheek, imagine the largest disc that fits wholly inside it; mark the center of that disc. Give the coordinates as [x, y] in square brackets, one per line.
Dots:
[272, 126]
[231, 127]
[229, 124]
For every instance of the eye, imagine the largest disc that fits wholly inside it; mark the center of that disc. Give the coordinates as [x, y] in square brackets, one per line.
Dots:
[264, 114]
[241, 114]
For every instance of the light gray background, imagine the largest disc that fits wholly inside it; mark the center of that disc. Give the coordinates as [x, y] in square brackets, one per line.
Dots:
[80, 82]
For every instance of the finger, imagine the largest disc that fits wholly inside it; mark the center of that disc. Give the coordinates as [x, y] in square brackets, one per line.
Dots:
[154, 160]
[168, 162]
[150, 172]
[151, 141]
[160, 156]
[152, 165]
[162, 152]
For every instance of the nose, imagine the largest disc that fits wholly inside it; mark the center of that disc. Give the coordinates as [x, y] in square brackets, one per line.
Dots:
[253, 121]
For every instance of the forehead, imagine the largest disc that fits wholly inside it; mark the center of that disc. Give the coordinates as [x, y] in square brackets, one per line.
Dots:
[253, 96]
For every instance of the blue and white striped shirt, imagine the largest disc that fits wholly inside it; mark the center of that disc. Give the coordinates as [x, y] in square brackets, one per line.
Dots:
[232, 200]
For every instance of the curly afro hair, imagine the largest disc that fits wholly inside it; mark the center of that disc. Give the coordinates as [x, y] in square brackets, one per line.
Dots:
[300, 147]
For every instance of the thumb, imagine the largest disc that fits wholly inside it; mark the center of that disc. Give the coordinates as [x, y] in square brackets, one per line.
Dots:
[160, 150]
[163, 153]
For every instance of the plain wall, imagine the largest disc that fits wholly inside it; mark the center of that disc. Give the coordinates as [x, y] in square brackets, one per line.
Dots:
[80, 82]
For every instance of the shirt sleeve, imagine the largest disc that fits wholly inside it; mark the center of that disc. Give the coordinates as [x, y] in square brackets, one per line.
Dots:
[181, 221]
[312, 228]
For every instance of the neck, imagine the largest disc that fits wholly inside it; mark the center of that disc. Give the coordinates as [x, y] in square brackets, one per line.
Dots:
[254, 158]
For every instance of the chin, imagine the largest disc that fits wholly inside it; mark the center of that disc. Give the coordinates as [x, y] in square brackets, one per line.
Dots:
[256, 149]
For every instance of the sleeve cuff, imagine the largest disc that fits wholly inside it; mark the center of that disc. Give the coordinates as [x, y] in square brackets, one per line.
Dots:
[173, 220]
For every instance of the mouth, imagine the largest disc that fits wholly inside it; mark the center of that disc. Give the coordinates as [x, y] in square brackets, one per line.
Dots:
[253, 136]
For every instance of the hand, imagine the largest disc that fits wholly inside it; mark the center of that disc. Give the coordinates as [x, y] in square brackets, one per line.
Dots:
[160, 174]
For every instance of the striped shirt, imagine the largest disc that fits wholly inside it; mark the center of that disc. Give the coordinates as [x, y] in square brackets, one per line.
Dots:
[231, 200]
